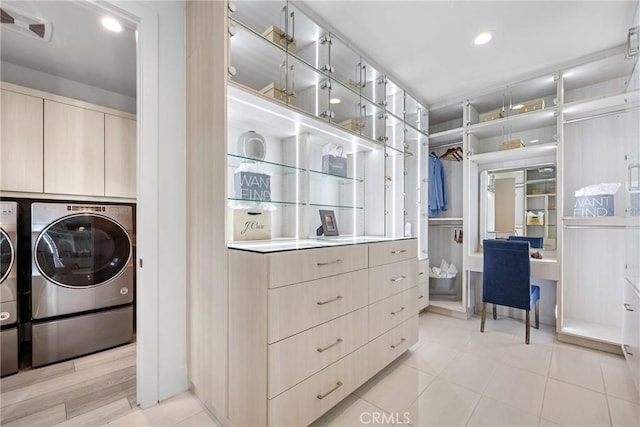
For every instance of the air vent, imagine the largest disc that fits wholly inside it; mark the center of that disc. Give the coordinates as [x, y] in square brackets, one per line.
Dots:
[19, 22]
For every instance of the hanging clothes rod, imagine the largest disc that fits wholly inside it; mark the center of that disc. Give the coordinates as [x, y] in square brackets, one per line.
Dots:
[451, 144]
[446, 226]
[597, 116]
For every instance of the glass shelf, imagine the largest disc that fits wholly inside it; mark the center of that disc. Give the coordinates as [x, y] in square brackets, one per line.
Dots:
[272, 202]
[334, 178]
[275, 168]
[335, 206]
[541, 195]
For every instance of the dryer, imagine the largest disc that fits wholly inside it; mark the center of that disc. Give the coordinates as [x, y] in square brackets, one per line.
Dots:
[82, 279]
[8, 287]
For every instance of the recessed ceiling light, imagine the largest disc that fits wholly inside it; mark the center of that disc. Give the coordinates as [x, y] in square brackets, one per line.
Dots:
[334, 101]
[517, 106]
[111, 24]
[483, 38]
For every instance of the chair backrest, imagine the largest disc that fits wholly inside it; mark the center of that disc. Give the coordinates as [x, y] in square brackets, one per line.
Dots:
[506, 273]
[534, 242]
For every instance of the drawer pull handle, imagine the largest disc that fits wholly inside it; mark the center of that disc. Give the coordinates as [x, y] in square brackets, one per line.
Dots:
[401, 251]
[421, 273]
[338, 261]
[399, 278]
[628, 307]
[421, 296]
[339, 297]
[397, 345]
[396, 312]
[626, 349]
[338, 341]
[322, 396]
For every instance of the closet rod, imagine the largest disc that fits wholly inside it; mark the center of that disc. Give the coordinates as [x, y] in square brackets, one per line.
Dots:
[445, 226]
[451, 144]
[597, 116]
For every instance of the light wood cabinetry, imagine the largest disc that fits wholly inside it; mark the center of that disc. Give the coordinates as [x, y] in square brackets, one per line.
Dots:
[58, 147]
[73, 150]
[423, 284]
[21, 147]
[631, 330]
[119, 156]
[299, 347]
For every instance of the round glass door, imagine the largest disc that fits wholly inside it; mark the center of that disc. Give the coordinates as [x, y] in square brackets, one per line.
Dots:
[81, 251]
[6, 255]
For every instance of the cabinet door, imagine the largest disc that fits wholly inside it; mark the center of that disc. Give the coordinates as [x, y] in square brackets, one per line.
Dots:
[21, 147]
[73, 150]
[120, 156]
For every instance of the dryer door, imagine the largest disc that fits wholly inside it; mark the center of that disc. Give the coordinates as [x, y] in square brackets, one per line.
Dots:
[7, 255]
[82, 251]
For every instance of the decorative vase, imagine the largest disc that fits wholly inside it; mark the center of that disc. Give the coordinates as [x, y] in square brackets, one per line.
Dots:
[251, 144]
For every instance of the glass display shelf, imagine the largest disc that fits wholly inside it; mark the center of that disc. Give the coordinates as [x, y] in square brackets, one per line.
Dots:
[525, 121]
[253, 203]
[271, 167]
[342, 207]
[334, 178]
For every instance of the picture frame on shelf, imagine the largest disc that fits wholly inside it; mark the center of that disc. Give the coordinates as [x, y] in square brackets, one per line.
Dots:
[329, 224]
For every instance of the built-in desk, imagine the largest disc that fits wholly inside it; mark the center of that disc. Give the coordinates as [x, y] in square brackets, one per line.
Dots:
[544, 273]
[546, 268]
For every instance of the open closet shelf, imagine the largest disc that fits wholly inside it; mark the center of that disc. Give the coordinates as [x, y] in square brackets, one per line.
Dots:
[445, 137]
[595, 331]
[516, 123]
[601, 104]
[524, 153]
[449, 305]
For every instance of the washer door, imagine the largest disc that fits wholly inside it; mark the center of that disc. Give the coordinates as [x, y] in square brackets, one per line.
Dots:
[82, 251]
[7, 255]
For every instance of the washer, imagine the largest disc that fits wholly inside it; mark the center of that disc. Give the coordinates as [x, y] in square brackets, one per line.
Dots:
[81, 279]
[8, 287]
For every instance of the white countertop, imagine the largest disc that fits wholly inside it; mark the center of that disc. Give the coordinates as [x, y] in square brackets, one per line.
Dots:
[279, 245]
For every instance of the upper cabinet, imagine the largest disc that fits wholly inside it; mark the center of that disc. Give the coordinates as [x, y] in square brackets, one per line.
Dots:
[337, 133]
[73, 150]
[21, 148]
[56, 146]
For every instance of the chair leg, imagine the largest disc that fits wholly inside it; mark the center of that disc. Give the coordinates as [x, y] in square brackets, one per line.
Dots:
[495, 312]
[484, 314]
[527, 328]
[537, 314]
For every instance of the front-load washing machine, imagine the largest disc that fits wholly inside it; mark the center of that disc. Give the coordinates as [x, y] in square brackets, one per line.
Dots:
[82, 279]
[8, 288]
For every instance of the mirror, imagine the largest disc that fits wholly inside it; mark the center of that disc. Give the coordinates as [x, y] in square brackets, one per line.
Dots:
[519, 202]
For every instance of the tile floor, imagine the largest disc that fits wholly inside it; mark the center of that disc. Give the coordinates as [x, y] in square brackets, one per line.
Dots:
[454, 376]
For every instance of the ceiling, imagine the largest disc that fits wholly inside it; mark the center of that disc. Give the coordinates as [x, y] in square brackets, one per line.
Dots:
[426, 45]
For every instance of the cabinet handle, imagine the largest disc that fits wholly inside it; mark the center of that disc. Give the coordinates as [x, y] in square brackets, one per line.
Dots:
[396, 312]
[421, 273]
[339, 297]
[399, 278]
[364, 83]
[322, 396]
[338, 261]
[401, 251]
[626, 349]
[401, 341]
[338, 341]
[421, 296]
[628, 307]
[293, 28]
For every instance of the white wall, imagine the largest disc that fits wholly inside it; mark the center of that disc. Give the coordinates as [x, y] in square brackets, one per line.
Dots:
[28, 77]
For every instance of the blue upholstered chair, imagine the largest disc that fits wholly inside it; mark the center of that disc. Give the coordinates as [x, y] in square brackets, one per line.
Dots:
[534, 242]
[506, 279]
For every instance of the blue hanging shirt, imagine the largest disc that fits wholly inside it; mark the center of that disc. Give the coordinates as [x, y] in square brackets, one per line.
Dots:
[438, 198]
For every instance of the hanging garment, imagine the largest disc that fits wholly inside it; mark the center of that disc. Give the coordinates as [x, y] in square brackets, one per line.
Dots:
[438, 198]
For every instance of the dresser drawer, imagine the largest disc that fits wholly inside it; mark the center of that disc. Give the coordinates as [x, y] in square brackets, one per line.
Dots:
[423, 295]
[392, 251]
[390, 312]
[302, 355]
[387, 347]
[390, 279]
[302, 404]
[423, 271]
[295, 308]
[290, 267]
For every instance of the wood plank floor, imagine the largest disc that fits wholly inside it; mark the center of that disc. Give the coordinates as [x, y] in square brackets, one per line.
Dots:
[63, 391]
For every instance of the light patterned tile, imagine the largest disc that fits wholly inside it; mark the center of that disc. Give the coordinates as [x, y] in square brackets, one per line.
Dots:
[469, 371]
[393, 390]
[431, 358]
[618, 382]
[443, 404]
[201, 419]
[99, 416]
[167, 413]
[533, 357]
[491, 412]
[491, 345]
[46, 418]
[25, 379]
[576, 367]
[624, 413]
[353, 411]
[455, 337]
[571, 405]
[518, 388]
